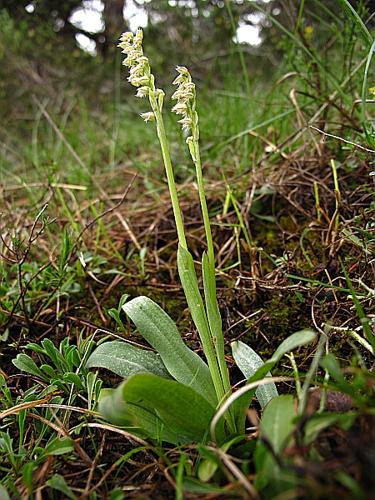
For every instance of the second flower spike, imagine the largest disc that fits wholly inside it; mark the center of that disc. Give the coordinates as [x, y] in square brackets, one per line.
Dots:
[185, 97]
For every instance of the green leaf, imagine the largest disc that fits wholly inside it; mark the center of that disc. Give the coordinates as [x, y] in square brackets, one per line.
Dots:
[210, 461]
[189, 283]
[3, 493]
[49, 371]
[277, 421]
[161, 333]
[35, 347]
[138, 420]
[332, 366]
[117, 494]
[214, 317]
[24, 363]
[213, 313]
[58, 483]
[276, 428]
[197, 310]
[27, 472]
[207, 468]
[196, 487]
[125, 359]
[73, 378]
[179, 406]
[295, 340]
[320, 421]
[54, 354]
[248, 362]
[182, 410]
[59, 446]
[114, 314]
[359, 309]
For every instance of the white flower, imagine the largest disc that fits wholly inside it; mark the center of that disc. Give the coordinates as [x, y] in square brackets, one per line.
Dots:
[182, 70]
[179, 108]
[142, 92]
[186, 123]
[185, 97]
[138, 39]
[184, 76]
[148, 117]
[139, 73]
[138, 82]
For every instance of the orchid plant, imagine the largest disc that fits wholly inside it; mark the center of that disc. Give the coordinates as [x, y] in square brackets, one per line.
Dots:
[171, 394]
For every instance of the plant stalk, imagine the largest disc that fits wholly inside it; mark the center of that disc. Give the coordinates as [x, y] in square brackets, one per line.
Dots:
[218, 335]
[169, 171]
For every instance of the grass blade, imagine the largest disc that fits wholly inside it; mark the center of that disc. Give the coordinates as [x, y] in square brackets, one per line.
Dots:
[353, 14]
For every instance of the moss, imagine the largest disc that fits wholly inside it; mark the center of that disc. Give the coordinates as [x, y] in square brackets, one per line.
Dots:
[282, 312]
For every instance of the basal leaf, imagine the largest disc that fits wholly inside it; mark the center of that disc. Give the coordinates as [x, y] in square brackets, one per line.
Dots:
[248, 362]
[136, 419]
[180, 407]
[197, 310]
[125, 359]
[161, 333]
[181, 410]
[295, 340]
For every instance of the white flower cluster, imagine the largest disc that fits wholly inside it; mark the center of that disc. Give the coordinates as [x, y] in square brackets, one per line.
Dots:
[185, 97]
[140, 72]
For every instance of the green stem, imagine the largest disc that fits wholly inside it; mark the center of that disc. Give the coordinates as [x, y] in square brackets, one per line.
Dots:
[204, 208]
[216, 333]
[169, 171]
[219, 344]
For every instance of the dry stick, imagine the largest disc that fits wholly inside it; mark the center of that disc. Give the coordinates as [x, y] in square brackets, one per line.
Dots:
[302, 120]
[98, 306]
[23, 289]
[60, 185]
[109, 210]
[238, 474]
[24, 406]
[23, 319]
[94, 463]
[61, 430]
[100, 216]
[80, 162]
[123, 433]
[363, 148]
